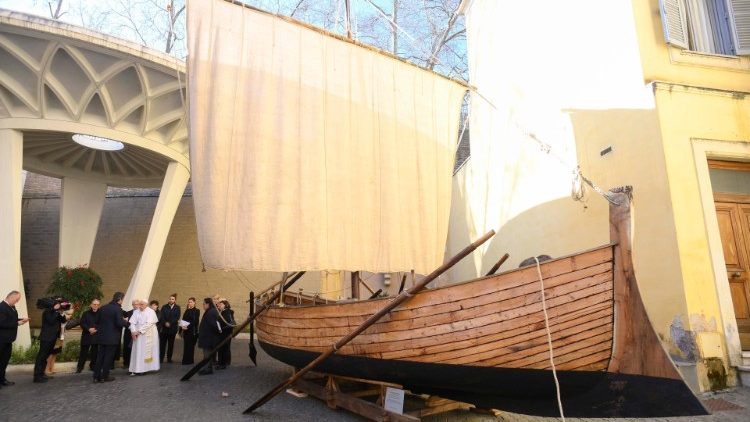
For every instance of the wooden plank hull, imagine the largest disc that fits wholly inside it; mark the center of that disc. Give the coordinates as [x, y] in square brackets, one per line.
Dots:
[494, 321]
[485, 341]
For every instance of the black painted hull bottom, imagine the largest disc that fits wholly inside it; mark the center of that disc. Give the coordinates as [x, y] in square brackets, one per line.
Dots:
[591, 394]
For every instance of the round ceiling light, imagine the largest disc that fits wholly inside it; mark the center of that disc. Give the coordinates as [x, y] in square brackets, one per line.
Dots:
[97, 142]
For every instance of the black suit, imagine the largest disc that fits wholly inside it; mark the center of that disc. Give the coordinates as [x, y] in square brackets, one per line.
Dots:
[169, 315]
[127, 343]
[209, 334]
[190, 335]
[8, 331]
[111, 323]
[51, 320]
[89, 342]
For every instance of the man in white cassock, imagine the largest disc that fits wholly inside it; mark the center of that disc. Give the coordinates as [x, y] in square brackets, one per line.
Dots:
[145, 354]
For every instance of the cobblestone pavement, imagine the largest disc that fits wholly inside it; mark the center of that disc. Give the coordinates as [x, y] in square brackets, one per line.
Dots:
[162, 397]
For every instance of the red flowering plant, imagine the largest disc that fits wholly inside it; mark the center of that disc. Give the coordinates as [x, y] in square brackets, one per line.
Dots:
[79, 286]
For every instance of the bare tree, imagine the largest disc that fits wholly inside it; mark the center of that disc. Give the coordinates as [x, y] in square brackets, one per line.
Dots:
[55, 7]
[427, 32]
[420, 24]
[174, 14]
[58, 13]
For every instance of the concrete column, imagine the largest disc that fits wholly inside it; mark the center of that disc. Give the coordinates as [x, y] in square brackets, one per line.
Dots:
[80, 212]
[172, 189]
[11, 191]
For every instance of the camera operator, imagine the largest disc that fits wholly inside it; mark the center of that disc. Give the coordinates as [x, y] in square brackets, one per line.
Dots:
[51, 320]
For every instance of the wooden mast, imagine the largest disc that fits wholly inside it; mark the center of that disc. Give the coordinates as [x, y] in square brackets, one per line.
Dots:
[355, 285]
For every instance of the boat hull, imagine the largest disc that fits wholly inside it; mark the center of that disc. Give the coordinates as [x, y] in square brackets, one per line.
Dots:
[592, 394]
[489, 341]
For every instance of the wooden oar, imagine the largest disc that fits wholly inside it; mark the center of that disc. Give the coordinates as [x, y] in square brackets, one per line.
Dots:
[497, 265]
[403, 282]
[376, 294]
[373, 319]
[367, 286]
[241, 327]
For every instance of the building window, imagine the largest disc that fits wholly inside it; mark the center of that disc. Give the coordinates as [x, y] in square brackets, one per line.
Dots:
[708, 26]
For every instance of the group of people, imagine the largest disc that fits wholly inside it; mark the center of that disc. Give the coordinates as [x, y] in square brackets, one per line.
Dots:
[143, 336]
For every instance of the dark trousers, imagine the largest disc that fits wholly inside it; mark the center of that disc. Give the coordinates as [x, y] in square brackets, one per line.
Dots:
[88, 351]
[118, 353]
[210, 365]
[166, 344]
[5, 351]
[188, 352]
[104, 360]
[225, 354]
[127, 348]
[45, 349]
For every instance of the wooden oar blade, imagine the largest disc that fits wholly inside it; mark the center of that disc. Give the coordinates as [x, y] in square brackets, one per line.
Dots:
[194, 370]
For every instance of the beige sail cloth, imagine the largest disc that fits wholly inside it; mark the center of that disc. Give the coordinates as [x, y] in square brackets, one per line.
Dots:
[310, 152]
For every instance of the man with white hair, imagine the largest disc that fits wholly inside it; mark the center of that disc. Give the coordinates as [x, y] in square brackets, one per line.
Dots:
[145, 354]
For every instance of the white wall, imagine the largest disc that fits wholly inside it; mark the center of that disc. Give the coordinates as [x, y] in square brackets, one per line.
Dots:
[550, 68]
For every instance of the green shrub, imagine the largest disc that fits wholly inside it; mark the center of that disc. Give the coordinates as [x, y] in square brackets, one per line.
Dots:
[79, 285]
[70, 351]
[22, 355]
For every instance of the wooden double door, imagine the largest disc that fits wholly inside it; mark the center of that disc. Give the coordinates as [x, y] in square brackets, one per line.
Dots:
[733, 212]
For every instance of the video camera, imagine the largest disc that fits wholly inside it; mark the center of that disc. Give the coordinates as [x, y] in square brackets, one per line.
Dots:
[50, 302]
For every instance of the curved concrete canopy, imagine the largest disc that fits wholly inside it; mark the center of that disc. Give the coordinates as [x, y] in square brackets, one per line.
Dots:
[57, 79]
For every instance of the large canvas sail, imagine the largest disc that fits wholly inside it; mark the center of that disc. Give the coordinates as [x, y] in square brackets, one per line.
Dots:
[311, 152]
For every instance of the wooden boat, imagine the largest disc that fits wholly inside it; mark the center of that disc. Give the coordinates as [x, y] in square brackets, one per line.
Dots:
[484, 341]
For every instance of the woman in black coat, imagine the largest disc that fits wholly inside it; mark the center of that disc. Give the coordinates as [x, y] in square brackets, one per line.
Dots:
[227, 325]
[190, 334]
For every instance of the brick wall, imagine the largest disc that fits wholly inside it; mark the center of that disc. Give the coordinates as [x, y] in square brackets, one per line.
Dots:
[122, 233]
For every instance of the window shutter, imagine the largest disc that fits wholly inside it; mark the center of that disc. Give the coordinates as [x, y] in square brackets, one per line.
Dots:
[674, 20]
[740, 10]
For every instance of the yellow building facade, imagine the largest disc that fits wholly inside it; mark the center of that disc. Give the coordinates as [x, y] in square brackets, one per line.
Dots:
[608, 90]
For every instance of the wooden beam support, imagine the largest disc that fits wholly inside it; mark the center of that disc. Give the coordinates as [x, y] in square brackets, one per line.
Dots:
[364, 408]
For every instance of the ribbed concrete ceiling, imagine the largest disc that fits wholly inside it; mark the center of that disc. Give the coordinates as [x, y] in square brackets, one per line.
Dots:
[57, 79]
[55, 153]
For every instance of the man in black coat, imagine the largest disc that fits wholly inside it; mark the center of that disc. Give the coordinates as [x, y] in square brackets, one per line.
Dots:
[52, 319]
[89, 339]
[209, 333]
[9, 322]
[111, 323]
[170, 314]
